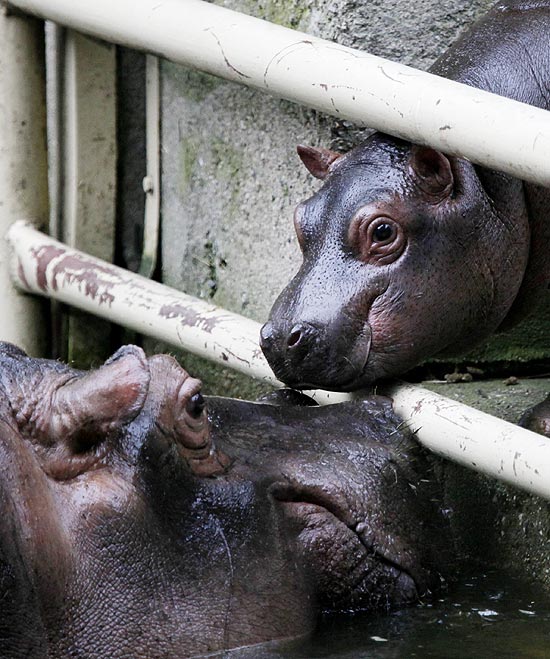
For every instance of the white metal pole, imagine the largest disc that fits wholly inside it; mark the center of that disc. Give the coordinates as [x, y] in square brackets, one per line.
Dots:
[450, 429]
[151, 181]
[418, 106]
[475, 439]
[42, 265]
[23, 164]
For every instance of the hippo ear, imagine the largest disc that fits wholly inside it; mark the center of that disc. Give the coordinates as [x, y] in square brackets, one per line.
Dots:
[317, 160]
[86, 409]
[432, 171]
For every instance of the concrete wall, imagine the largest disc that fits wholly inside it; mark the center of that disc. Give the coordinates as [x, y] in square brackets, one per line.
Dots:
[231, 178]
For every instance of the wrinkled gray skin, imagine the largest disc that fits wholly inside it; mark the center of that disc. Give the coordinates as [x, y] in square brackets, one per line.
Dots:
[134, 527]
[408, 252]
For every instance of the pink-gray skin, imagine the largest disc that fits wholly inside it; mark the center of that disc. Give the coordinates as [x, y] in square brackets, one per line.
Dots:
[134, 526]
[408, 252]
[537, 418]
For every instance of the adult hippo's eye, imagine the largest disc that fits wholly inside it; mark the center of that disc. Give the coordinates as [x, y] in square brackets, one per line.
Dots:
[377, 240]
[383, 232]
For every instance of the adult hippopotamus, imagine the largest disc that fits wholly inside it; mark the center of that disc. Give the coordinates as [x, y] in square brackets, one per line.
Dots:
[408, 252]
[135, 526]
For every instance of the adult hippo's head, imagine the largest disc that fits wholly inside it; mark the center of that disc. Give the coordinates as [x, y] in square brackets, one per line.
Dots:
[405, 254]
[134, 526]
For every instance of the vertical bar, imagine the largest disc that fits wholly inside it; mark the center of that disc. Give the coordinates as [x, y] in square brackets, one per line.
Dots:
[151, 182]
[23, 165]
[89, 198]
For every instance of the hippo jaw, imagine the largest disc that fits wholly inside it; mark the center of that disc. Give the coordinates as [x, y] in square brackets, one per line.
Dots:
[343, 480]
[321, 360]
[382, 577]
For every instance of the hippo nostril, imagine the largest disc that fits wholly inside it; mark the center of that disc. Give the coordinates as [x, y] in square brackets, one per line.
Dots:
[195, 405]
[295, 336]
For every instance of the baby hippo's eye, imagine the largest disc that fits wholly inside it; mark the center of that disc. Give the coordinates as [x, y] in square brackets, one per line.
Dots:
[376, 239]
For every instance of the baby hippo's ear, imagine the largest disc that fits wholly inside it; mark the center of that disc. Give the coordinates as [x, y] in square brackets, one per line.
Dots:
[537, 418]
[431, 171]
[86, 409]
[318, 161]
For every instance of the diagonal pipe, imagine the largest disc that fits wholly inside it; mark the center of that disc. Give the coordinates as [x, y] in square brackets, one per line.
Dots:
[455, 431]
[488, 129]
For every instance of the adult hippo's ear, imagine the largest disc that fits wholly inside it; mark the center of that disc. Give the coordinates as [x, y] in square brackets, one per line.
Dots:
[100, 402]
[432, 172]
[317, 160]
[74, 415]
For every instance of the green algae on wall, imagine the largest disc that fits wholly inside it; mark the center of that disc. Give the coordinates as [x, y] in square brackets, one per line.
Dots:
[189, 147]
[289, 13]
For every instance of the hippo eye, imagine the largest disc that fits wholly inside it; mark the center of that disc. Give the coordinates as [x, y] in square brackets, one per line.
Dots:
[195, 406]
[383, 232]
[376, 239]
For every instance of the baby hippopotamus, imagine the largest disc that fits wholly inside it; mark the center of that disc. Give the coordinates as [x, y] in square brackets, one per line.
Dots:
[407, 251]
[136, 525]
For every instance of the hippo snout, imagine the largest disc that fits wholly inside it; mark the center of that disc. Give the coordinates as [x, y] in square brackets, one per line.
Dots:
[296, 342]
[288, 347]
[303, 355]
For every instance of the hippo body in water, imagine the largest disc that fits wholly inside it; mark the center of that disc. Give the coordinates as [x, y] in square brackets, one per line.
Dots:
[135, 526]
[408, 252]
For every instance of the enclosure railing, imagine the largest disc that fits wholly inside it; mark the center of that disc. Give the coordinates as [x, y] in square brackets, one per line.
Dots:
[44, 266]
[423, 108]
[351, 84]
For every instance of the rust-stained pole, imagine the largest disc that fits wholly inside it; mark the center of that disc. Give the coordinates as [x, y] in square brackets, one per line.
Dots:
[42, 265]
[450, 429]
[47, 267]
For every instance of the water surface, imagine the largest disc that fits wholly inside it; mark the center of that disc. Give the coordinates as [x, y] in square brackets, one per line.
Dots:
[483, 616]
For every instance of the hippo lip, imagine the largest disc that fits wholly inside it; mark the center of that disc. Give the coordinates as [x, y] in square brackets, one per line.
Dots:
[346, 375]
[323, 501]
[349, 384]
[352, 384]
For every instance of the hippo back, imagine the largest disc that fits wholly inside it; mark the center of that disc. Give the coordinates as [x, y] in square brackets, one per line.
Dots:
[508, 53]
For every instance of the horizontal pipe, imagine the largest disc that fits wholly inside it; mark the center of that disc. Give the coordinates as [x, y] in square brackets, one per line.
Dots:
[474, 439]
[42, 265]
[348, 83]
[450, 429]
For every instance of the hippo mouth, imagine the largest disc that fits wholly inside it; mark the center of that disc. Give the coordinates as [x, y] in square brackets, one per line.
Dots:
[324, 357]
[341, 378]
[374, 577]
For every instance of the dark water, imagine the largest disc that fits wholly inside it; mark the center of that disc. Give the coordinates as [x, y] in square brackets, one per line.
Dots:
[484, 616]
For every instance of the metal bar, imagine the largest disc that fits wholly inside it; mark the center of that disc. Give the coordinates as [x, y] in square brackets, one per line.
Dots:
[23, 164]
[42, 265]
[89, 161]
[418, 106]
[90, 150]
[474, 439]
[151, 182]
[450, 429]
